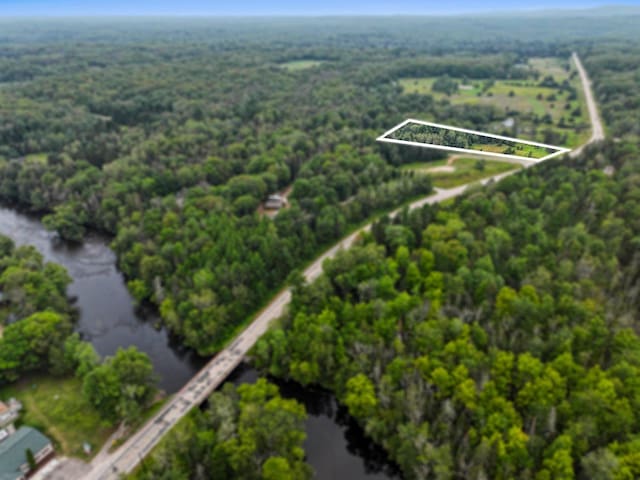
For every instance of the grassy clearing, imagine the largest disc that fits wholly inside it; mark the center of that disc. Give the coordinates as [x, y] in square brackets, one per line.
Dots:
[466, 171]
[424, 165]
[518, 96]
[523, 99]
[551, 66]
[520, 149]
[296, 65]
[57, 407]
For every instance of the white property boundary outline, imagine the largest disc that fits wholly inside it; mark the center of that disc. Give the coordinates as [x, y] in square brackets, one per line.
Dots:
[384, 138]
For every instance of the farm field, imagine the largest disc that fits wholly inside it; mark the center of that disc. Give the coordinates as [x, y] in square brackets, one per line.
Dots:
[547, 106]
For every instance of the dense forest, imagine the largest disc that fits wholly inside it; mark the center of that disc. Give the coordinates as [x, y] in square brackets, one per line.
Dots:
[495, 337]
[171, 136]
[492, 337]
[249, 432]
[35, 313]
[415, 132]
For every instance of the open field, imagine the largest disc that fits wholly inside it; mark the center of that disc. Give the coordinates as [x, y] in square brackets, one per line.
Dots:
[509, 95]
[295, 65]
[425, 165]
[523, 150]
[465, 170]
[535, 105]
[555, 67]
[57, 407]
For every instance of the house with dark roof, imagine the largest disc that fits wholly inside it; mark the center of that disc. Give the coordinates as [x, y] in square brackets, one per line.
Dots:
[14, 462]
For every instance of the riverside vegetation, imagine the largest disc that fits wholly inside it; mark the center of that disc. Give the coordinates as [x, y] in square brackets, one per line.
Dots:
[432, 332]
[494, 337]
[90, 394]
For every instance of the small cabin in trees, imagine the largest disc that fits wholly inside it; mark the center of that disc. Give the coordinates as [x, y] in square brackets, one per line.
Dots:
[275, 202]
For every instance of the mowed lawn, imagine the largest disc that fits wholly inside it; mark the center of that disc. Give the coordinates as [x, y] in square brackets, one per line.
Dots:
[466, 171]
[57, 407]
[523, 96]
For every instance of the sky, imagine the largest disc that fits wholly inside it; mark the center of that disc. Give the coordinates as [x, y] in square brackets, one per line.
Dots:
[280, 7]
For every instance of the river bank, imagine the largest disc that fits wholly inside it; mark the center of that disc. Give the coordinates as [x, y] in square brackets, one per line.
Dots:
[336, 446]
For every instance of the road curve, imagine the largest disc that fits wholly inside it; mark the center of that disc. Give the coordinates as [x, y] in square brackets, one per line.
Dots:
[213, 374]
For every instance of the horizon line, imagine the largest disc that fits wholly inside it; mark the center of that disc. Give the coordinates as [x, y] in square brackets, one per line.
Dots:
[203, 15]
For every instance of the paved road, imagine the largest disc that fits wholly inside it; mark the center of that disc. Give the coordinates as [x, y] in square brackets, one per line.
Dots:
[597, 130]
[125, 459]
[216, 371]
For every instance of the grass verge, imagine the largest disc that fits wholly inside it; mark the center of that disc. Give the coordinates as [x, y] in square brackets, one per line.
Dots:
[139, 422]
[467, 170]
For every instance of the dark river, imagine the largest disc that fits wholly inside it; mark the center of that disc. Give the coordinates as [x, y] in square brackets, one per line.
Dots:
[336, 446]
[108, 318]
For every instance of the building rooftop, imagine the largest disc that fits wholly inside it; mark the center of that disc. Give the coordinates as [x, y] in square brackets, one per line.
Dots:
[13, 451]
[9, 412]
[275, 202]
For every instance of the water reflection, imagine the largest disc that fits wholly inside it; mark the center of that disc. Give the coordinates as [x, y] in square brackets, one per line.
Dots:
[336, 447]
[107, 315]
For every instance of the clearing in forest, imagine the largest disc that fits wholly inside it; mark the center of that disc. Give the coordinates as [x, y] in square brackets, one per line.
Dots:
[418, 133]
[58, 408]
[295, 65]
[546, 104]
[458, 170]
